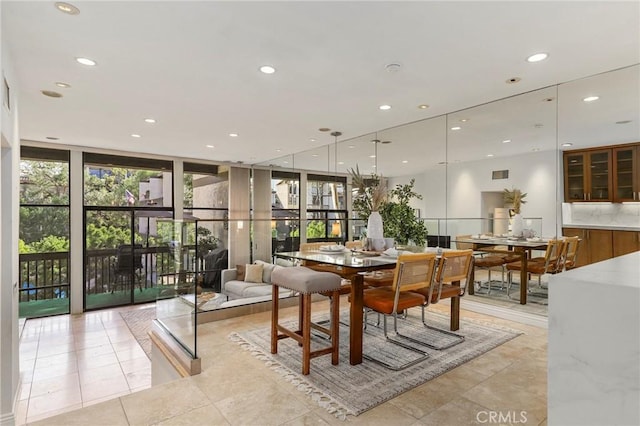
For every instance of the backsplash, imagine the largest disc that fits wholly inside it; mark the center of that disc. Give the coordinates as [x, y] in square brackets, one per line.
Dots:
[601, 214]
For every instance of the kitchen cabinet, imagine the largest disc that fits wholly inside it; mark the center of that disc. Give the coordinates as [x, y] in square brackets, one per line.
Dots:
[595, 245]
[603, 174]
[587, 175]
[625, 242]
[626, 176]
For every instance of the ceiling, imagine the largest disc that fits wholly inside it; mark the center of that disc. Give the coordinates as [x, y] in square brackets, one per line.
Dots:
[194, 67]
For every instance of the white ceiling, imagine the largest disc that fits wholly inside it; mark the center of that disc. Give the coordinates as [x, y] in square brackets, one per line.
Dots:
[193, 66]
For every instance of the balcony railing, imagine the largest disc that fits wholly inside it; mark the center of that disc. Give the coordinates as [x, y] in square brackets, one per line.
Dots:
[45, 276]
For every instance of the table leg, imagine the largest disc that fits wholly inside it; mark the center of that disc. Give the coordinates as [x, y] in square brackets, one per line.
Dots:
[524, 276]
[471, 287]
[355, 320]
[455, 313]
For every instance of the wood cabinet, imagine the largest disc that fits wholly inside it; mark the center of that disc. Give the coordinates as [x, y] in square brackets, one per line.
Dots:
[595, 245]
[625, 242]
[626, 177]
[587, 175]
[601, 244]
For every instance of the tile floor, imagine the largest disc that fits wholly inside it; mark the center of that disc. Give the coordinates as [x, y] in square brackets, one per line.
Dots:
[74, 361]
[235, 388]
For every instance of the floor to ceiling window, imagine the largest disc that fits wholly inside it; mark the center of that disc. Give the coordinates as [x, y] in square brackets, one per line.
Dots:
[285, 211]
[128, 221]
[44, 232]
[326, 208]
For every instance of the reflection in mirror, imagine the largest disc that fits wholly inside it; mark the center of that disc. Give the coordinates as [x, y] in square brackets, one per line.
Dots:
[610, 119]
[358, 152]
[510, 143]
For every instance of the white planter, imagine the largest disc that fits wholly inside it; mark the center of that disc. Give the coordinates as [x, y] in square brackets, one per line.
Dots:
[374, 226]
[517, 225]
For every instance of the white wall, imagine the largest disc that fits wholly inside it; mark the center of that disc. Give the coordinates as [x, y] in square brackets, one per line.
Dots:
[534, 173]
[9, 183]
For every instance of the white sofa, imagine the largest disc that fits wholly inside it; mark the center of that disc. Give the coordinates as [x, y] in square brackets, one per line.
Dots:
[236, 289]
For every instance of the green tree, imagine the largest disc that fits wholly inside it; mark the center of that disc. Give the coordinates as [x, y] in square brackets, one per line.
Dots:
[316, 229]
[399, 218]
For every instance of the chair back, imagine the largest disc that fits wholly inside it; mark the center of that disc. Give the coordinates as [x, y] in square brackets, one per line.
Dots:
[312, 246]
[414, 271]
[570, 252]
[463, 246]
[353, 245]
[553, 257]
[128, 257]
[455, 266]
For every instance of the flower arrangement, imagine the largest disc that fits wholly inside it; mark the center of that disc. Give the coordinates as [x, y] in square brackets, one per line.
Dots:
[371, 194]
[514, 197]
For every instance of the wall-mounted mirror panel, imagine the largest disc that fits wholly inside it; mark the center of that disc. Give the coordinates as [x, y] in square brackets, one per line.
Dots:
[612, 118]
[506, 144]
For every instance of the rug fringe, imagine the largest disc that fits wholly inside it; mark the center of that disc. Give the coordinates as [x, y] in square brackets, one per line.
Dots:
[331, 405]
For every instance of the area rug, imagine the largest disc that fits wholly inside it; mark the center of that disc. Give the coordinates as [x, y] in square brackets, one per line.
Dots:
[347, 390]
[139, 322]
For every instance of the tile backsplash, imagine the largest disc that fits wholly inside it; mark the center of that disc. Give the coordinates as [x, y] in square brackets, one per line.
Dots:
[601, 214]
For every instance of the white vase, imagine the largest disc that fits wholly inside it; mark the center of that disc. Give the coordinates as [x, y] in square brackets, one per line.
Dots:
[374, 226]
[517, 225]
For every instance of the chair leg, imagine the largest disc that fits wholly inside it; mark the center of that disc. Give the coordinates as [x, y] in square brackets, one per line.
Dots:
[458, 338]
[306, 333]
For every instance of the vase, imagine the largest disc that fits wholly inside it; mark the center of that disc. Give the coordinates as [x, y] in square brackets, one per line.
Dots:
[517, 225]
[374, 226]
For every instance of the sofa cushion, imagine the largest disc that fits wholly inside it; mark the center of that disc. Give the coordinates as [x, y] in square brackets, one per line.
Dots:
[240, 272]
[253, 273]
[267, 269]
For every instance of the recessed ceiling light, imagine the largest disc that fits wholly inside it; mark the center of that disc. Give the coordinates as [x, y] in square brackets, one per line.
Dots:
[372, 156]
[423, 106]
[393, 67]
[351, 146]
[405, 161]
[135, 135]
[464, 120]
[623, 122]
[86, 61]
[385, 142]
[567, 144]
[63, 85]
[149, 120]
[537, 57]
[52, 138]
[551, 99]
[267, 69]
[51, 93]
[278, 150]
[513, 80]
[210, 146]
[442, 162]
[374, 166]
[456, 128]
[591, 98]
[67, 8]
[312, 140]
[506, 141]
[384, 107]
[314, 155]
[489, 155]
[341, 162]
[285, 162]
[324, 129]
[535, 149]
[233, 135]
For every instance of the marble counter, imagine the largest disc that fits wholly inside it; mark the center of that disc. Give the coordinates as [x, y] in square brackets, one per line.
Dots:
[606, 227]
[594, 344]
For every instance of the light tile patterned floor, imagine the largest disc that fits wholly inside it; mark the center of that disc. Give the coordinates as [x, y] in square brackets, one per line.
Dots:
[236, 388]
[74, 361]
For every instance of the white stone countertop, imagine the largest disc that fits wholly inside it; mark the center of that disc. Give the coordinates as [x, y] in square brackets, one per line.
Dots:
[612, 227]
[618, 271]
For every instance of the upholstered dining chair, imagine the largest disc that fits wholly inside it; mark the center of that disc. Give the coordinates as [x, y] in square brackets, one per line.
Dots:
[485, 261]
[413, 272]
[452, 279]
[550, 263]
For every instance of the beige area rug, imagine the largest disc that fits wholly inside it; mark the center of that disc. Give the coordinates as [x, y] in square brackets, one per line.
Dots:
[139, 322]
[347, 390]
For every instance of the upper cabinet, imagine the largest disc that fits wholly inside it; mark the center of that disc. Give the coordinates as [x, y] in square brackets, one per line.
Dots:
[626, 179]
[587, 175]
[604, 174]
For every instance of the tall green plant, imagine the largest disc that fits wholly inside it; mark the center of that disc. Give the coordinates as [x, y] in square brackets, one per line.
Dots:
[399, 218]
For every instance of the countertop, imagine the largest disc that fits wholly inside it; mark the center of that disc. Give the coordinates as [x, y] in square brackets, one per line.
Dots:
[611, 227]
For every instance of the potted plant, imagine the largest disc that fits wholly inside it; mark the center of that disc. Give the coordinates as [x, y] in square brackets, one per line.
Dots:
[515, 198]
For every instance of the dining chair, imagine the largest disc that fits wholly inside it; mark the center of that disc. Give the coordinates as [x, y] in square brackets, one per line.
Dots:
[454, 274]
[484, 261]
[413, 272]
[570, 256]
[550, 263]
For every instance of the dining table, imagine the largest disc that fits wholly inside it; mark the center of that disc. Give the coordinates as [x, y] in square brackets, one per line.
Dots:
[350, 265]
[508, 245]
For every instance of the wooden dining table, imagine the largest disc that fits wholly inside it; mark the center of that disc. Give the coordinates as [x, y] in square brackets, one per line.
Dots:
[351, 266]
[520, 246]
